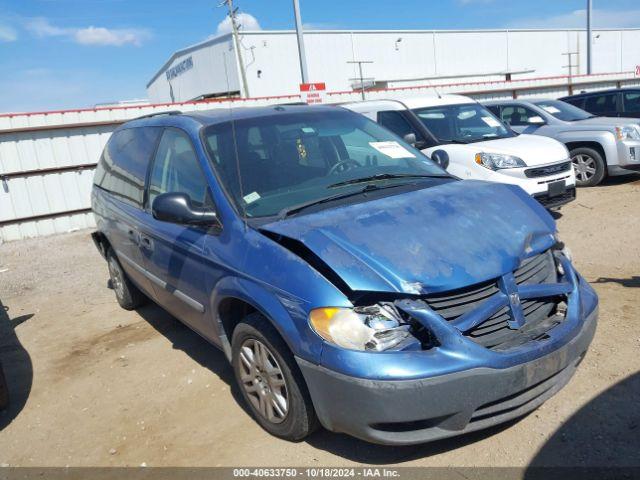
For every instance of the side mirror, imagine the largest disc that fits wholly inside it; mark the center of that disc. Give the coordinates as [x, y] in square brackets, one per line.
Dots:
[536, 120]
[410, 138]
[441, 158]
[177, 208]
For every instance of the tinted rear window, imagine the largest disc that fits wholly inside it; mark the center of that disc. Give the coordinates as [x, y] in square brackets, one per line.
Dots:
[123, 166]
[601, 103]
[632, 101]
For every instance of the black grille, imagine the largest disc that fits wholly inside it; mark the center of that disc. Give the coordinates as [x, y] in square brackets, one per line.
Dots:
[495, 331]
[548, 170]
[550, 202]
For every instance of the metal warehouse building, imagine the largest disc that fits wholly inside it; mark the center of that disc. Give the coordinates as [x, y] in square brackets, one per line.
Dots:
[400, 58]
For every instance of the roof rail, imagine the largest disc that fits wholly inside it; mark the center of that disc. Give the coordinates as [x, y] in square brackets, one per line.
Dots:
[155, 114]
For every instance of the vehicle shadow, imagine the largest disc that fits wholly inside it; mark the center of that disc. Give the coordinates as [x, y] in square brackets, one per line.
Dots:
[620, 180]
[16, 365]
[186, 340]
[605, 433]
[633, 282]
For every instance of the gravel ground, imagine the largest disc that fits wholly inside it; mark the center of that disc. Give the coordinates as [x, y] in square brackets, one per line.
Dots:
[94, 385]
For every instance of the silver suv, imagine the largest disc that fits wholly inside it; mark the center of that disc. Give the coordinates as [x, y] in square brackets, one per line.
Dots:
[598, 146]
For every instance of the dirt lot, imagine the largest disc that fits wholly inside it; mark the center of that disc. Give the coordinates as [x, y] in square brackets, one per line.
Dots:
[92, 384]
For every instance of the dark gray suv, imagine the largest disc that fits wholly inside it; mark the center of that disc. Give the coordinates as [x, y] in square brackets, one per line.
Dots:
[617, 102]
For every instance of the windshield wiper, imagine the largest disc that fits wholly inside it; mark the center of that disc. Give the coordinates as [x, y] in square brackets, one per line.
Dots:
[286, 212]
[384, 176]
[452, 140]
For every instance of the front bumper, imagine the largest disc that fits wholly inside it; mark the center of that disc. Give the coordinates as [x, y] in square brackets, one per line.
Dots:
[629, 155]
[402, 412]
[555, 201]
[457, 385]
[534, 186]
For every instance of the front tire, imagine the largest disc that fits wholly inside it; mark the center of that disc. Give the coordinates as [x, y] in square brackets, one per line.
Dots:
[128, 295]
[589, 166]
[270, 380]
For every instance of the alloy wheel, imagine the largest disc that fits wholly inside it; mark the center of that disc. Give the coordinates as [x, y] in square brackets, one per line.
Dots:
[117, 281]
[584, 166]
[263, 381]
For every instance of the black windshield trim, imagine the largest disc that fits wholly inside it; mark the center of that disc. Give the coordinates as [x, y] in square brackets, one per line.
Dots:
[384, 176]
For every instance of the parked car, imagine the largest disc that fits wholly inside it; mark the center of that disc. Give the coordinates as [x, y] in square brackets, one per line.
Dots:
[618, 102]
[348, 278]
[471, 143]
[598, 146]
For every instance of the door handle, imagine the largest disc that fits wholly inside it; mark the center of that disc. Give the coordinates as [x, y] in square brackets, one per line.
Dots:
[145, 242]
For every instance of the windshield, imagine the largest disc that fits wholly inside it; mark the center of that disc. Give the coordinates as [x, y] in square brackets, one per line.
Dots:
[291, 159]
[562, 110]
[464, 123]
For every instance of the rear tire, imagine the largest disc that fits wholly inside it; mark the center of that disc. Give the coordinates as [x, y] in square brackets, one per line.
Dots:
[128, 295]
[589, 166]
[270, 380]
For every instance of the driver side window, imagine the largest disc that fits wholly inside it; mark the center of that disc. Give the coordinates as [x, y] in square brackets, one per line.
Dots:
[176, 169]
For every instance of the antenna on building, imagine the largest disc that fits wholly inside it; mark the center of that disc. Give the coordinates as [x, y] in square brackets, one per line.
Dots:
[233, 16]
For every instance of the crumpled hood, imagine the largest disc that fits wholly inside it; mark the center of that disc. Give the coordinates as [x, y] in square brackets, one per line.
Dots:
[436, 239]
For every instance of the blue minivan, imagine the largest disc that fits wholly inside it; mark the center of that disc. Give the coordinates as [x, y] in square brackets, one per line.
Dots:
[351, 282]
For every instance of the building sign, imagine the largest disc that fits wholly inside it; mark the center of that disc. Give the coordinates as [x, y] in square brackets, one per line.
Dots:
[313, 93]
[637, 70]
[180, 68]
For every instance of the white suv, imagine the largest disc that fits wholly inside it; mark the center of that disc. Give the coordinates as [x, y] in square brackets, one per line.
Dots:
[471, 143]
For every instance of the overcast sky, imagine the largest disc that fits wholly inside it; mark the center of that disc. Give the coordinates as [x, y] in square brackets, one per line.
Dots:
[76, 53]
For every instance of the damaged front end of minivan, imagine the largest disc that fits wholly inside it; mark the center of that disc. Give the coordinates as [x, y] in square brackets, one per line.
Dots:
[446, 332]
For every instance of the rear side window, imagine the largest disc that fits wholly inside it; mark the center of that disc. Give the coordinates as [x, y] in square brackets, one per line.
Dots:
[576, 102]
[123, 166]
[518, 116]
[632, 102]
[397, 123]
[601, 103]
[176, 169]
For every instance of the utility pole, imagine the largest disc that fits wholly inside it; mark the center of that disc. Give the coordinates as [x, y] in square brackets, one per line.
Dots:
[361, 77]
[589, 36]
[236, 43]
[300, 34]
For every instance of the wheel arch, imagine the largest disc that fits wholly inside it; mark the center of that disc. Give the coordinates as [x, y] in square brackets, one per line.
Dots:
[101, 242]
[588, 144]
[235, 298]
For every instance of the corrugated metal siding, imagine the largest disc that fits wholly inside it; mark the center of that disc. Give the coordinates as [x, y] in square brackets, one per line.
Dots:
[55, 140]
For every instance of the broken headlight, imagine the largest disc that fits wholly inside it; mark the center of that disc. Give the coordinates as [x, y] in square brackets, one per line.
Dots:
[375, 328]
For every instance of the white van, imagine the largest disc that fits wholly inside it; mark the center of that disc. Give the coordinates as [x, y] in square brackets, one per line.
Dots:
[471, 143]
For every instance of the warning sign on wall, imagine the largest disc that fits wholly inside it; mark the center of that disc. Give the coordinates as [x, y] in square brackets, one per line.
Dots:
[313, 93]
